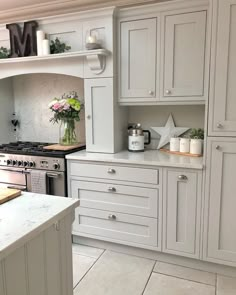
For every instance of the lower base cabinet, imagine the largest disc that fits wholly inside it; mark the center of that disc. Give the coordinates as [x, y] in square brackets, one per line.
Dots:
[220, 226]
[182, 209]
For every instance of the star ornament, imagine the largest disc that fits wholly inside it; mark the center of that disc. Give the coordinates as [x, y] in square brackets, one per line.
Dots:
[170, 130]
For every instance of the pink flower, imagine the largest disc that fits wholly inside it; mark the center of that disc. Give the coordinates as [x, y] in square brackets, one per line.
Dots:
[56, 106]
[66, 107]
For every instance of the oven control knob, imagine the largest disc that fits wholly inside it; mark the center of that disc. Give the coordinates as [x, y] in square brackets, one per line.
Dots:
[20, 163]
[31, 164]
[9, 162]
[14, 162]
[56, 166]
[26, 163]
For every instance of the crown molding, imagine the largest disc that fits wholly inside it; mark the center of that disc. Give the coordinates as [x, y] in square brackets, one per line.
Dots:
[60, 7]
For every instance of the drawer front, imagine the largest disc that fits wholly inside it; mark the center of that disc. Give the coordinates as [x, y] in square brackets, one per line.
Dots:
[116, 226]
[119, 198]
[114, 172]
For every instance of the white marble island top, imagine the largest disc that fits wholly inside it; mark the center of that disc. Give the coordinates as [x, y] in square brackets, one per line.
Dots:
[30, 213]
[149, 158]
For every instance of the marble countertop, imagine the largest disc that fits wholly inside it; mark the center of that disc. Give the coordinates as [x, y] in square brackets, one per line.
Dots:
[27, 214]
[149, 158]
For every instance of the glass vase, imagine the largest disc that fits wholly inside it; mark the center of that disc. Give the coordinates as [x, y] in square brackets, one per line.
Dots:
[67, 132]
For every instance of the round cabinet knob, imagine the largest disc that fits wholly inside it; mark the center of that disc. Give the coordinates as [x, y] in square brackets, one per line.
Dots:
[168, 91]
[56, 166]
[9, 162]
[150, 92]
[182, 177]
[111, 217]
[88, 117]
[219, 125]
[31, 164]
[112, 189]
[218, 147]
[111, 171]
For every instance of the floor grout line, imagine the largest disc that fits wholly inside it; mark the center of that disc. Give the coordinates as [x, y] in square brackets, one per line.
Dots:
[89, 269]
[149, 277]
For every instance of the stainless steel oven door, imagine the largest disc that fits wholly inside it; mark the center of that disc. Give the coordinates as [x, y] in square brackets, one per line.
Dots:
[13, 178]
[55, 183]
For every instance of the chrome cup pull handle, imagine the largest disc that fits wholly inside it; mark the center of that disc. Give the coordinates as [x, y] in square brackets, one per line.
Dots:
[182, 177]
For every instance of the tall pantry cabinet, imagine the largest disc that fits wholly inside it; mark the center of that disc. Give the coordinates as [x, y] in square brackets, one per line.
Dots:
[220, 200]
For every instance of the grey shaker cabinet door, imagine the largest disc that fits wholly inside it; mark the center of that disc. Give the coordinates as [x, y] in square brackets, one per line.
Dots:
[222, 110]
[138, 43]
[184, 56]
[182, 201]
[221, 202]
[99, 115]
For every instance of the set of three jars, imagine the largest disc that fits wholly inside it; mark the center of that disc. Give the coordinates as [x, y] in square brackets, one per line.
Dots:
[186, 145]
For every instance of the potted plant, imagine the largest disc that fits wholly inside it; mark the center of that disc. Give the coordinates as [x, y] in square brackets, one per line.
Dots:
[67, 111]
[197, 136]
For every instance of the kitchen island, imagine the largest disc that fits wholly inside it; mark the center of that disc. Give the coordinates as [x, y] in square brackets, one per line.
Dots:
[35, 245]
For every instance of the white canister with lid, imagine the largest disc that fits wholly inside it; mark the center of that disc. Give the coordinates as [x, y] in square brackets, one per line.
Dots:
[184, 145]
[174, 144]
[196, 146]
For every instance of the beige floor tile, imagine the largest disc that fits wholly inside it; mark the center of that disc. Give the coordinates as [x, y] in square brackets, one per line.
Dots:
[186, 273]
[166, 285]
[87, 251]
[116, 274]
[81, 264]
[226, 285]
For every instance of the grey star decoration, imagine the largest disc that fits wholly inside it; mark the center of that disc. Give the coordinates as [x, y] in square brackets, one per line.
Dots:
[170, 130]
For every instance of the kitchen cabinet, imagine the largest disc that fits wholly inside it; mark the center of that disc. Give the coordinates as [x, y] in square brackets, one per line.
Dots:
[99, 115]
[220, 238]
[139, 59]
[184, 56]
[120, 204]
[222, 108]
[182, 202]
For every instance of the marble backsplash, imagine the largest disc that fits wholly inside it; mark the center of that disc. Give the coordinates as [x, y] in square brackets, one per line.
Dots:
[32, 94]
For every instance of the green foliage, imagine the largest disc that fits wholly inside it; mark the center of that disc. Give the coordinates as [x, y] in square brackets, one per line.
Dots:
[58, 47]
[4, 52]
[197, 133]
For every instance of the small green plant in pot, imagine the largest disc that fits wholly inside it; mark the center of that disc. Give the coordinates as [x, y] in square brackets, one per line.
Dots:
[58, 47]
[4, 52]
[197, 136]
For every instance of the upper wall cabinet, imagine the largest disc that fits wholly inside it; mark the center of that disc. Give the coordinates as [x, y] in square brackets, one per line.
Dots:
[222, 110]
[184, 56]
[163, 56]
[138, 60]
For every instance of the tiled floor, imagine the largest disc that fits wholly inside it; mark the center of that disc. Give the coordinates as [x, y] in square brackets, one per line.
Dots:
[99, 272]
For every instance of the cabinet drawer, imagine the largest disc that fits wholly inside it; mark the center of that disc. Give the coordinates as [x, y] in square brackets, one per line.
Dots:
[114, 172]
[119, 198]
[116, 226]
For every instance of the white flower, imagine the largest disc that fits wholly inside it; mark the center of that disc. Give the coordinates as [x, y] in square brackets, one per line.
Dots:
[52, 103]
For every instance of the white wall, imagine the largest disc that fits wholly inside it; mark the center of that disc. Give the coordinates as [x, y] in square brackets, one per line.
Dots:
[153, 116]
[32, 94]
[6, 111]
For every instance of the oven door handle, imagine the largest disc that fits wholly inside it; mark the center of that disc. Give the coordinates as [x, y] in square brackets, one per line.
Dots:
[17, 171]
[21, 188]
[53, 175]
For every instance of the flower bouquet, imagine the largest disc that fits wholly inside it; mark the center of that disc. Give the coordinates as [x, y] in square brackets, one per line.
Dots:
[66, 110]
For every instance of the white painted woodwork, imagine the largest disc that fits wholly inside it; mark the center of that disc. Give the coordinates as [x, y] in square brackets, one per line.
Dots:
[42, 265]
[113, 172]
[222, 109]
[182, 204]
[114, 197]
[220, 201]
[138, 59]
[124, 227]
[184, 56]
[99, 115]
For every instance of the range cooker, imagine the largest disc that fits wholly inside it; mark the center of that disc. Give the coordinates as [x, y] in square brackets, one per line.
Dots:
[22, 162]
